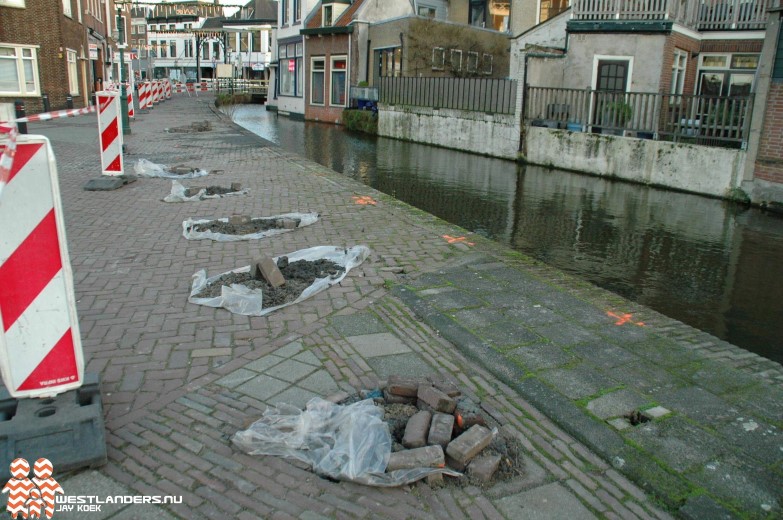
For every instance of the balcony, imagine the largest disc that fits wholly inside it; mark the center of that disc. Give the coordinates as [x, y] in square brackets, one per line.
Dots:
[703, 15]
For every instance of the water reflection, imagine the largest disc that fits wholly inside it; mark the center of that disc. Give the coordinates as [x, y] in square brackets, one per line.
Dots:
[695, 259]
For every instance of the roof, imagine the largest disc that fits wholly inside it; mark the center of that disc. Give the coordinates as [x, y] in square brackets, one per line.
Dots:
[215, 22]
[314, 24]
[258, 10]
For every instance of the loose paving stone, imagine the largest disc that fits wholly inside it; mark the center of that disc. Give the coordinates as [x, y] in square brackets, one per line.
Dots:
[374, 345]
[426, 457]
[403, 386]
[435, 399]
[544, 503]
[462, 449]
[483, 468]
[416, 430]
[619, 423]
[441, 428]
[656, 412]
[615, 404]
[359, 324]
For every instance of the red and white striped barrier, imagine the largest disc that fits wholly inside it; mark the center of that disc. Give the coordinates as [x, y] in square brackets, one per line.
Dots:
[167, 85]
[159, 92]
[40, 345]
[55, 115]
[131, 109]
[143, 94]
[110, 132]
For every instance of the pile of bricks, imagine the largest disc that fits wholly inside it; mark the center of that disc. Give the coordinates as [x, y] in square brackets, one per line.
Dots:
[448, 429]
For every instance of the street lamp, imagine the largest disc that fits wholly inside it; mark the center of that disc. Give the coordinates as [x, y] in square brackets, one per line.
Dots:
[123, 74]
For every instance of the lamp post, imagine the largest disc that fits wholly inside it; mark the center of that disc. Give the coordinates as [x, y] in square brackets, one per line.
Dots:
[123, 74]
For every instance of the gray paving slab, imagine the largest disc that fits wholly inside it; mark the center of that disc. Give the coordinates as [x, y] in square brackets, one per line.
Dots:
[358, 324]
[291, 370]
[374, 345]
[566, 335]
[545, 503]
[616, 404]
[294, 396]
[290, 350]
[531, 314]
[578, 382]
[263, 387]
[237, 377]
[542, 356]
[456, 299]
[320, 382]
[264, 363]
[506, 334]
[309, 358]
[698, 404]
[681, 444]
[605, 354]
[406, 365]
[478, 318]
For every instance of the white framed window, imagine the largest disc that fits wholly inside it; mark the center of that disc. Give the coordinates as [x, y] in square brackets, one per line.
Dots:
[142, 29]
[471, 63]
[456, 60]
[297, 10]
[429, 12]
[337, 87]
[679, 66]
[162, 49]
[19, 70]
[12, 3]
[438, 58]
[486, 64]
[317, 79]
[73, 75]
[67, 8]
[327, 16]
[173, 48]
[714, 61]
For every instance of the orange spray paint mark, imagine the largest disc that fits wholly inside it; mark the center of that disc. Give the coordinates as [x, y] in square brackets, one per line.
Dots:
[622, 319]
[364, 200]
[454, 240]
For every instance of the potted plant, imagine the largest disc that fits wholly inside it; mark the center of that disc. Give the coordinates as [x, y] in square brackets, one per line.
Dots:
[616, 114]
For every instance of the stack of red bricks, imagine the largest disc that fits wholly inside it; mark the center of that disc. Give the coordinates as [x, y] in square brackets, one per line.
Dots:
[448, 429]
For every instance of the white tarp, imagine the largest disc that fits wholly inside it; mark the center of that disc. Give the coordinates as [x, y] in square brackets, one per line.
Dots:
[249, 302]
[178, 194]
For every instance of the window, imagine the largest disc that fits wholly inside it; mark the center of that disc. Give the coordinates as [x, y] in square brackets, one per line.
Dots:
[389, 62]
[714, 61]
[317, 81]
[171, 27]
[745, 61]
[18, 71]
[188, 48]
[153, 27]
[297, 10]
[215, 50]
[456, 60]
[339, 68]
[472, 62]
[290, 69]
[67, 8]
[162, 49]
[438, 58]
[283, 12]
[173, 49]
[678, 71]
[142, 49]
[142, 29]
[478, 13]
[429, 12]
[73, 76]
[486, 64]
[327, 16]
[256, 41]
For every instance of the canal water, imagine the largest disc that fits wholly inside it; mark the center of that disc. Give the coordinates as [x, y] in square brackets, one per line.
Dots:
[715, 266]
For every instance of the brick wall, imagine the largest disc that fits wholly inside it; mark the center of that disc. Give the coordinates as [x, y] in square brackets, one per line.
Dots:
[325, 46]
[42, 23]
[769, 163]
[752, 46]
[691, 47]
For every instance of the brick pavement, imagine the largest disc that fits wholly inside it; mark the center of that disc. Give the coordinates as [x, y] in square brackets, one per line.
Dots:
[179, 379]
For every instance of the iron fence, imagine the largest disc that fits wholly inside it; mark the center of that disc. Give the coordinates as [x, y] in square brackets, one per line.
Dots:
[710, 120]
[489, 95]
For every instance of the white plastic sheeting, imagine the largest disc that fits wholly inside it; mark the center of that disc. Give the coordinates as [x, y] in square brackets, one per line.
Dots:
[341, 442]
[305, 219]
[249, 302]
[145, 168]
[178, 194]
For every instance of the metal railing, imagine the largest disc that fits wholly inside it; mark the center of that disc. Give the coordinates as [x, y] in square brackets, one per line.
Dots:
[700, 14]
[489, 95]
[709, 120]
[248, 86]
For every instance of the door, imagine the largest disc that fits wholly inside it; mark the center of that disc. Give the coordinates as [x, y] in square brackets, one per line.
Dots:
[610, 109]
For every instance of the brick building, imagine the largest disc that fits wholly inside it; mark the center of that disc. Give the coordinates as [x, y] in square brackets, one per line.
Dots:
[53, 49]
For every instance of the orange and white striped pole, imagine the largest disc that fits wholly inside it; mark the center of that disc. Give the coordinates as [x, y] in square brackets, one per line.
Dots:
[110, 133]
[40, 344]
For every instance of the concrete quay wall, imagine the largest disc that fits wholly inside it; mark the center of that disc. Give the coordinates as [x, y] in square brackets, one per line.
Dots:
[496, 135]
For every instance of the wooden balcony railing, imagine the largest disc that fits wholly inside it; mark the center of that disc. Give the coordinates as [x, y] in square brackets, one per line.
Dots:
[699, 14]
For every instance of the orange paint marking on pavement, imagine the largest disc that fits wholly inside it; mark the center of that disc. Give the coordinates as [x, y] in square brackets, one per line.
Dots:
[452, 240]
[623, 319]
[364, 200]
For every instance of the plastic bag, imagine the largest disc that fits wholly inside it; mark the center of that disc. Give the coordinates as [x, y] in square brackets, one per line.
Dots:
[249, 302]
[178, 194]
[145, 168]
[341, 442]
[305, 219]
